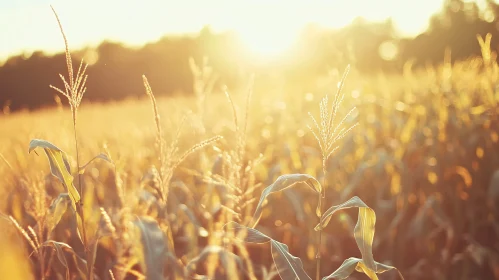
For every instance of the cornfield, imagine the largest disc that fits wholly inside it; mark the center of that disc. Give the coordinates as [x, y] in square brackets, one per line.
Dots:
[238, 184]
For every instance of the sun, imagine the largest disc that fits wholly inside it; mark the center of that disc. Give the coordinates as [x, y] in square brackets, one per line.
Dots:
[267, 41]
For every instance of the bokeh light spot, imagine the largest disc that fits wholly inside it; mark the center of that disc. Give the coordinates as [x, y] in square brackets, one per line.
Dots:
[388, 50]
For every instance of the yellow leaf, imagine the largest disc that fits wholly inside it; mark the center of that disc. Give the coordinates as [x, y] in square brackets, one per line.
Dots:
[361, 267]
[352, 264]
[59, 166]
[364, 229]
[364, 235]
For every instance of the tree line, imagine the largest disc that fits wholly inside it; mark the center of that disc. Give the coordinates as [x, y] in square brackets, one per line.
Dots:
[115, 70]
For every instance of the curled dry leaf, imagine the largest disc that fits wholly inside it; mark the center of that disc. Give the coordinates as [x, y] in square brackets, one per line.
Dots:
[364, 236]
[351, 264]
[59, 166]
[210, 253]
[284, 182]
[56, 210]
[61, 248]
[154, 247]
[364, 229]
[100, 156]
[288, 266]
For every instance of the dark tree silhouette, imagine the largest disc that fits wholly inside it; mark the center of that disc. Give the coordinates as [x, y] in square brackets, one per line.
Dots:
[24, 82]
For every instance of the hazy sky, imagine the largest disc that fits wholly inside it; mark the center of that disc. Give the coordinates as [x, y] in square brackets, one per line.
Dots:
[27, 25]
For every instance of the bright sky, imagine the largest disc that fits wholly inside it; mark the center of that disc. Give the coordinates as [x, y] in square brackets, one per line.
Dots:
[28, 25]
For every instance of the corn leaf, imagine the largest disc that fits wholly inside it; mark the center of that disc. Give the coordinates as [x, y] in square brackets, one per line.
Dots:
[62, 248]
[208, 255]
[101, 156]
[59, 250]
[364, 229]
[284, 182]
[351, 264]
[247, 234]
[364, 236]
[56, 210]
[288, 266]
[154, 247]
[59, 166]
[346, 268]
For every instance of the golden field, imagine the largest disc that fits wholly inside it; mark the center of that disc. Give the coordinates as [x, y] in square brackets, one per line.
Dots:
[423, 155]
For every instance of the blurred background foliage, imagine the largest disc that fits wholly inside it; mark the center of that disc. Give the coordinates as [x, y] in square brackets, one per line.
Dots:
[370, 47]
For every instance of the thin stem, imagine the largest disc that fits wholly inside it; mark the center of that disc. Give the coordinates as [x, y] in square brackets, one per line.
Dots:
[77, 154]
[319, 242]
[41, 249]
[80, 204]
[6, 162]
[42, 263]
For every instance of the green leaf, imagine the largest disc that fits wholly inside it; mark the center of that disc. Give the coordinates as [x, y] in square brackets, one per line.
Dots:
[59, 166]
[288, 266]
[351, 264]
[284, 182]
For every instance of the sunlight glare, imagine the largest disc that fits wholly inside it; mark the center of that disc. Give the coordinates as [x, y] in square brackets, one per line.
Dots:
[267, 28]
[267, 41]
[388, 50]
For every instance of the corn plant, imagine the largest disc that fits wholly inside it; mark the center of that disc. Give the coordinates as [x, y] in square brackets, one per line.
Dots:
[327, 134]
[145, 238]
[74, 89]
